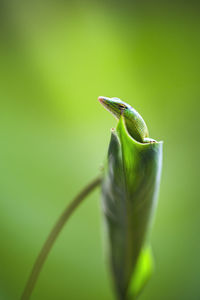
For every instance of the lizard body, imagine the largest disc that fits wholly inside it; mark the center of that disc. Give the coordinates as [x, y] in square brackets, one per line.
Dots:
[135, 124]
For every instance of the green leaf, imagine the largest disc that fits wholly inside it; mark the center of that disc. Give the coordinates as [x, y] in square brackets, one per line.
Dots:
[129, 190]
[142, 272]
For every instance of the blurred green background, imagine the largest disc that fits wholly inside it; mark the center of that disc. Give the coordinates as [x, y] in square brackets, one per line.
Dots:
[56, 58]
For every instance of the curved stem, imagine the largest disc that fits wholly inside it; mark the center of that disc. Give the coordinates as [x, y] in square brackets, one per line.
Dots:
[53, 236]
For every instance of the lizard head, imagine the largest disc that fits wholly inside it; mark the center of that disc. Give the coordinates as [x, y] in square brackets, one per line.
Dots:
[114, 105]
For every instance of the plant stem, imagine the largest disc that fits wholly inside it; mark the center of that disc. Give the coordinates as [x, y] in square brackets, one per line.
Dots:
[53, 236]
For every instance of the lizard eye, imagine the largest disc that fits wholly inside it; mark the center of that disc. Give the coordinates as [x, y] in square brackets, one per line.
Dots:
[122, 106]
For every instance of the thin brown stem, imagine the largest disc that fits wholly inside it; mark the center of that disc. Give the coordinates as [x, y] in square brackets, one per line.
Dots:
[53, 236]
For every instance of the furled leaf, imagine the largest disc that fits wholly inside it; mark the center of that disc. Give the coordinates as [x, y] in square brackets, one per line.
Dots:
[129, 189]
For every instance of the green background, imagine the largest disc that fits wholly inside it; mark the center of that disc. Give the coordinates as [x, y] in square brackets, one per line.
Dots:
[56, 58]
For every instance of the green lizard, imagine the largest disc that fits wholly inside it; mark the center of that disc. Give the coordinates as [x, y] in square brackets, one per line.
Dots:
[135, 124]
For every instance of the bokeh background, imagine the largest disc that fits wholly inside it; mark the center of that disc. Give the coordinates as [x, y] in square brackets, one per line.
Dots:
[56, 58]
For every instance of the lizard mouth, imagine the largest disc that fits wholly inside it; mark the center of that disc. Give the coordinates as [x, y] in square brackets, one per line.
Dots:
[101, 99]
